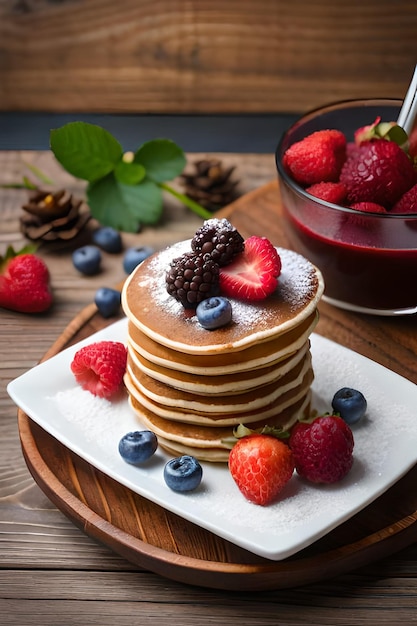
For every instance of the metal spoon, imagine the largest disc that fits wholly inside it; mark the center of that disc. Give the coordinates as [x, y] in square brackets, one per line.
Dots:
[408, 113]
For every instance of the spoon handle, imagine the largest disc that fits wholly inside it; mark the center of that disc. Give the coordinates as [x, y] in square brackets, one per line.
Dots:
[408, 111]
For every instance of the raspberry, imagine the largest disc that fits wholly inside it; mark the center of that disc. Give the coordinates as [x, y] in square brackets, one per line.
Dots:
[192, 278]
[379, 171]
[99, 367]
[322, 449]
[219, 239]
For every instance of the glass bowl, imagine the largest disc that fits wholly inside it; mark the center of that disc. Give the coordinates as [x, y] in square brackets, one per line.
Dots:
[368, 260]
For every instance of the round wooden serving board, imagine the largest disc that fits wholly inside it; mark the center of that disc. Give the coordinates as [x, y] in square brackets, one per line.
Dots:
[155, 539]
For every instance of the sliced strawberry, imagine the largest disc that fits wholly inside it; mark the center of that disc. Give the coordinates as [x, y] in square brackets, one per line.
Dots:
[99, 367]
[253, 274]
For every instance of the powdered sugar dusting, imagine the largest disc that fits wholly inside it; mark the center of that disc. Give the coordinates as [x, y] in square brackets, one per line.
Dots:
[298, 278]
[297, 285]
[304, 512]
[100, 421]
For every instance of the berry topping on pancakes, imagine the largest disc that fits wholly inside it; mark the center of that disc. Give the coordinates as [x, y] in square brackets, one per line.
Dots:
[219, 239]
[253, 275]
[222, 263]
[192, 278]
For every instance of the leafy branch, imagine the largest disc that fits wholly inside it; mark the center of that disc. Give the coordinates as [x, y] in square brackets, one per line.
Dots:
[124, 190]
[27, 183]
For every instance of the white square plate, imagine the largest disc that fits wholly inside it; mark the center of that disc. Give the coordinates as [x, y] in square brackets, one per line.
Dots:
[385, 449]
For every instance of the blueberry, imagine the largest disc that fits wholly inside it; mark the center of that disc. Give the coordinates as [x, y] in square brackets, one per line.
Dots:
[350, 404]
[214, 312]
[87, 260]
[183, 473]
[107, 301]
[138, 446]
[134, 256]
[108, 239]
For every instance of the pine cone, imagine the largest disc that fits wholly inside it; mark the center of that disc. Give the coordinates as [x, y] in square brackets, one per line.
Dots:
[210, 184]
[53, 215]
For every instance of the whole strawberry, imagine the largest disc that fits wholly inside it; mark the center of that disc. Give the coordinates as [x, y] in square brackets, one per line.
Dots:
[99, 367]
[24, 282]
[378, 171]
[407, 203]
[330, 192]
[368, 207]
[261, 465]
[322, 449]
[316, 158]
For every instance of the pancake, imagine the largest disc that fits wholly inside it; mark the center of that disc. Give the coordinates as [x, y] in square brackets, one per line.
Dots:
[159, 316]
[220, 384]
[193, 386]
[259, 355]
[223, 419]
[247, 400]
[209, 443]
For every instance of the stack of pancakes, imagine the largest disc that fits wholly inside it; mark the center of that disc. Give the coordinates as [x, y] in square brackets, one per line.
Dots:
[193, 386]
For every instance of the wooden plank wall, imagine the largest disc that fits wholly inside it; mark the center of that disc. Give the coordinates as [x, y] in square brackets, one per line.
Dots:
[202, 56]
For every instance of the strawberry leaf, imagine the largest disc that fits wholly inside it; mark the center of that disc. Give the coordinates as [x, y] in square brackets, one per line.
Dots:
[129, 173]
[124, 207]
[11, 253]
[274, 431]
[39, 174]
[27, 183]
[393, 132]
[162, 159]
[85, 150]
[242, 431]
[125, 190]
[229, 442]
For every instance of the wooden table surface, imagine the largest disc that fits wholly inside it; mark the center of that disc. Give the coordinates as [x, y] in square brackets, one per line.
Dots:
[51, 572]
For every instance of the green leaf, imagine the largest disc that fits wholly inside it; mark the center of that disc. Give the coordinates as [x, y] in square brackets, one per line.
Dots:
[124, 207]
[39, 174]
[397, 135]
[129, 173]
[274, 431]
[162, 159]
[145, 201]
[11, 253]
[27, 183]
[85, 150]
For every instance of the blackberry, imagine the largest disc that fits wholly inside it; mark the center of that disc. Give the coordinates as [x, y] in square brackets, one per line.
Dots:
[192, 278]
[219, 239]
